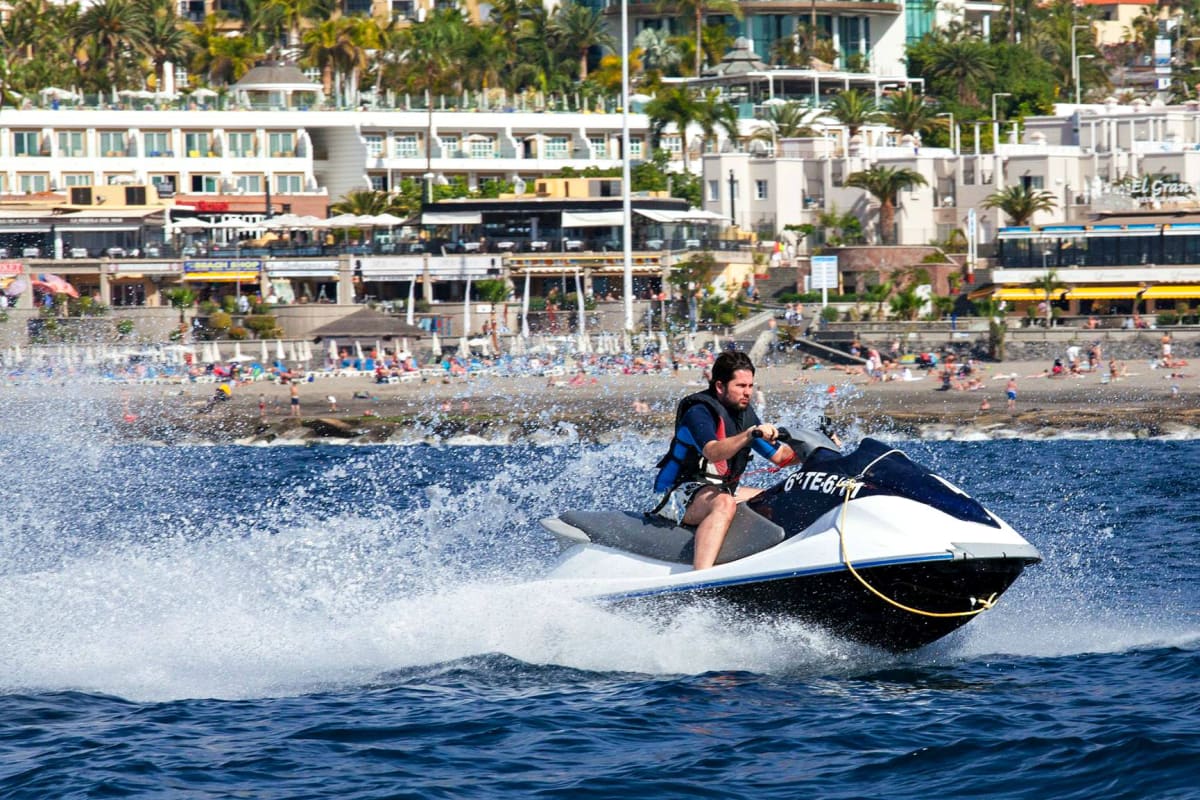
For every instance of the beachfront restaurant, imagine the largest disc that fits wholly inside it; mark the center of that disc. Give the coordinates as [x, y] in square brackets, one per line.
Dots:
[1120, 265]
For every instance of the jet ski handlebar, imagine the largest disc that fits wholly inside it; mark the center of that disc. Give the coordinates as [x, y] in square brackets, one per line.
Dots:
[805, 442]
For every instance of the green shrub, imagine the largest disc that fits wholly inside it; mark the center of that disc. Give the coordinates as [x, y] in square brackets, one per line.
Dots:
[239, 333]
[124, 326]
[229, 303]
[1168, 318]
[829, 314]
[208, 307]
[220, 321]
[262, 324]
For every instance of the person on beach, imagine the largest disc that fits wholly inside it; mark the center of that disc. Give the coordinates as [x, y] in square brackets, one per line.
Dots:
[295, 395]
[715, 432]
[1010, 391]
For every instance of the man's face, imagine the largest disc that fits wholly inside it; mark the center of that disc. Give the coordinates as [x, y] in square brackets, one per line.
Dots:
[738, 392]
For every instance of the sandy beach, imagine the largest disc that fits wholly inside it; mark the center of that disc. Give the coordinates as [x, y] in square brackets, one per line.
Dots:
[1145, 402]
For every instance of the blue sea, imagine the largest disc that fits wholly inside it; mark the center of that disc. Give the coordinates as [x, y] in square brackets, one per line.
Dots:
[366, 622]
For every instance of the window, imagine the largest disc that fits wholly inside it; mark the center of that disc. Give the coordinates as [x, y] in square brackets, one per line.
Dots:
[77, 179]
[672, 144]
[112, 143]
[289, 184]
[282, 144]
[25, 143]
[378, 183]
[33, 183]
[157, 143]
[760, 190]
[599, 146]
[241, 144]
[70, 143]
[196, 144]
[248, 184]
[558, 147]
[635, 148]
[205, 184]
[714, 190]
[482, 146]
[449, 146]
[164, 184]
[1031, 182]
[404, 145]
[135, 195]
[374, 142]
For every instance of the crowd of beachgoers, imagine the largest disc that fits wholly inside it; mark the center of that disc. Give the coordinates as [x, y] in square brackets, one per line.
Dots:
[175, 364]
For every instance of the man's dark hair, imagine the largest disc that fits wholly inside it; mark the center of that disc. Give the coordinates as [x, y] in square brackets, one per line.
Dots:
[728, 363]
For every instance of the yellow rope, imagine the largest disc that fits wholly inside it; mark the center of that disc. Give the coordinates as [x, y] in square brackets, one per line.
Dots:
[850, 485]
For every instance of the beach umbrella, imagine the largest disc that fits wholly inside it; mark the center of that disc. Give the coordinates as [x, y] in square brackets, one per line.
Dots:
[237, 352]
[58, 94]
[404, 348]
[279, 354]
[467, 309]
[582, 311]
[464, 347]
[412, 301]
[626, 344]
[517, 346]
[716, 343]
[333, 352]
[48, 282]
[204, 93]
[436, 346]
[215, 352]
[263, 356]
[293, 351]
[585, 344]
[664, 346]
[358, 351]
[525, 309]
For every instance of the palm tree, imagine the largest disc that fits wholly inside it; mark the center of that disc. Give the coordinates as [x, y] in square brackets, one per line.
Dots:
[884, 183]
[363, 202]
[786, 121]
[967, 63]
[581, 28]
[1049, 284]
[908, 113]
[1019, 203]
[220, 58]
[854, 109]
[110, 30]
[714, 114]
[675, 105]
[159, 35]
[698, 10]
[658, 51]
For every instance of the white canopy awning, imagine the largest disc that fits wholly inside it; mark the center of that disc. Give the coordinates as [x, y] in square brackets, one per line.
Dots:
[451, 218]
[659, 215]
[691, 215]
[591, 219]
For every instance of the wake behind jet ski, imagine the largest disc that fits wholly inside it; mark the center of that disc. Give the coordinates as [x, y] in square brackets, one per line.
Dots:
[866, 544]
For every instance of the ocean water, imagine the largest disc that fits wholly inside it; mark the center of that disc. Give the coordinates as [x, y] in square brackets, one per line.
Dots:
[365, 622]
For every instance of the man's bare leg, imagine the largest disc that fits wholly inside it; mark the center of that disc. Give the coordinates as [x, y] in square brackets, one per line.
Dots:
[711, 511]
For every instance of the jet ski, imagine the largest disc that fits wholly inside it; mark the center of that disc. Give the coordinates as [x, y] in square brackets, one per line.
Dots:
[867, 544]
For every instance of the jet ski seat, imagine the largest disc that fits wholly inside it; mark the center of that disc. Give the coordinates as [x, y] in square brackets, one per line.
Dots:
[653, 536]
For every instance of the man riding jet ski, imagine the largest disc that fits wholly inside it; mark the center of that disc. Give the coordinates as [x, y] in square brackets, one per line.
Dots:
[867, 544]
[715, 430]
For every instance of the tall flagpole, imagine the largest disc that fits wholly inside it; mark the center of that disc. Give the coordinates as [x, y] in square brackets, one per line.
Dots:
[626, 181]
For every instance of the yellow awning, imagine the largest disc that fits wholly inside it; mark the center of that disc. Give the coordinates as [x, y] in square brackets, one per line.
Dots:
[1032, 295]
[221, 277]
[1172, 292]
[1103, 292]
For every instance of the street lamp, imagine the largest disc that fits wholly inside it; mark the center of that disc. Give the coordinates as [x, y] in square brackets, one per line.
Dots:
[1078, 81]
[995, 119]
[1075, 61]
[950, 114]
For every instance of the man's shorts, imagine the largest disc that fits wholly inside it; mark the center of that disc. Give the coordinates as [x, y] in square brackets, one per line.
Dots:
[681, 498]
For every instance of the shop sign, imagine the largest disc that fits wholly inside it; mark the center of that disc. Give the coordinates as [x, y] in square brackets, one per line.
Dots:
[222, 265]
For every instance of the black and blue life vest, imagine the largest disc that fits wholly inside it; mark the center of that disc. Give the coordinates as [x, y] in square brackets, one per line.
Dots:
[684, 462]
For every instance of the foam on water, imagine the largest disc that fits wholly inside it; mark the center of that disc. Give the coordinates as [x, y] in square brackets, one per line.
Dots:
[389, 558]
